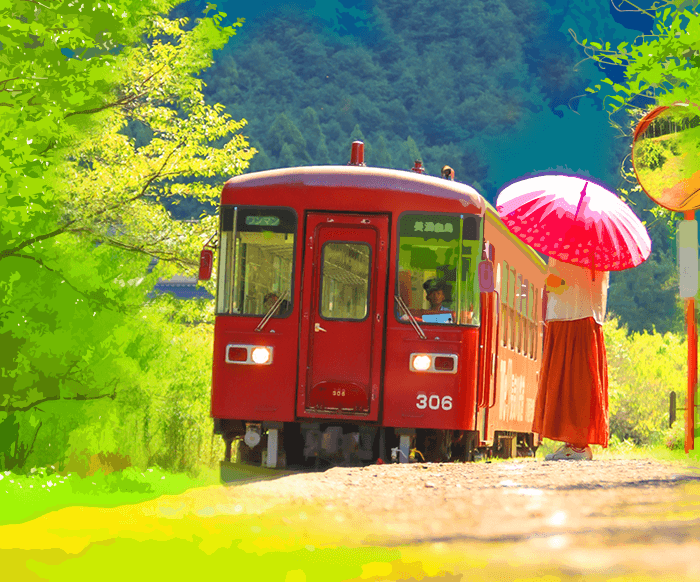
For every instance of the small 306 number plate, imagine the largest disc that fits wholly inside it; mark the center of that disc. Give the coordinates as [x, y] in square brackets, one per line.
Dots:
[433, 402]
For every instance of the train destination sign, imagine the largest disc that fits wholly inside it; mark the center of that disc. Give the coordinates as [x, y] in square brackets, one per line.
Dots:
[262, 220]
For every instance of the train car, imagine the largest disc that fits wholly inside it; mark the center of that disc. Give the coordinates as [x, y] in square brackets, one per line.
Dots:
[327, 349]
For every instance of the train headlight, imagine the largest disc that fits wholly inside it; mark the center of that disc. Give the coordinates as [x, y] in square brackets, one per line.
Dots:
[421, 362]
[261, 355]
[248, 354]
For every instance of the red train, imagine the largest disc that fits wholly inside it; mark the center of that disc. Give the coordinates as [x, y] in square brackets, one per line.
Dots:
[366, 313]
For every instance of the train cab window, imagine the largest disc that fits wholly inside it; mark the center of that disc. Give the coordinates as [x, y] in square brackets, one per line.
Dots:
[345, 280]
[437, 277]
[256, 260]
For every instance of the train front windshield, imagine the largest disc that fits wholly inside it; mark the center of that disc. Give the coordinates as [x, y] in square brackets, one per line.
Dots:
[437, 268]
[256, 260]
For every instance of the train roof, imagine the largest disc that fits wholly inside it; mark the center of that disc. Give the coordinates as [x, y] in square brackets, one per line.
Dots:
[361, 177]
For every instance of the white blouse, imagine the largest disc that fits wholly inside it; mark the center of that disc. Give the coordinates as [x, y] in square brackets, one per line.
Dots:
[582, 295]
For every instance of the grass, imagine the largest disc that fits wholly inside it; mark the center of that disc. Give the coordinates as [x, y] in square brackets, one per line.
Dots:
[40, 491]
[24, 497]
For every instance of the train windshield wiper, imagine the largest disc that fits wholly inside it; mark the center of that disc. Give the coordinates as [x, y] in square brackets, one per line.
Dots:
[412, 319]
[271, 311]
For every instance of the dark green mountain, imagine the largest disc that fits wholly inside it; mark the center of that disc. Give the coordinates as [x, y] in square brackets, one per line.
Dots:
[494, 88]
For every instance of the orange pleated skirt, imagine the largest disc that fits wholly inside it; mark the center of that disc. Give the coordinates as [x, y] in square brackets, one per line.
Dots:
[572, 398]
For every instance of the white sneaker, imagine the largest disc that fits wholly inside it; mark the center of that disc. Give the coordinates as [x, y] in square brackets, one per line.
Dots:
[569, 453]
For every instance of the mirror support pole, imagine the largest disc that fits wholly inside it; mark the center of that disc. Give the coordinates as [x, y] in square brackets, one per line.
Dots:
[692, 365]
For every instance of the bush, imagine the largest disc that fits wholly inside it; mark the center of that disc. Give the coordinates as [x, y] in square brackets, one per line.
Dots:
[642, 370]
[159, 414]
[674, 437]
[651, 153]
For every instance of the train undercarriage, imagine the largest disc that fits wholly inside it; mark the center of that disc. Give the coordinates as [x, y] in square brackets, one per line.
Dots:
[318, 445]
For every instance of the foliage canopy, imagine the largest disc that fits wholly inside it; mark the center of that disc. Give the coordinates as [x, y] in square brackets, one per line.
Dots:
[80, 211]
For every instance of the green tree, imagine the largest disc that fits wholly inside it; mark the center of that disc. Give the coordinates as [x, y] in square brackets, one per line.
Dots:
[287, 159]
[311, 130]
[260, 162]
[80, 217]
[382, 158]
[283, 132]
[636, 296]
[322, 155]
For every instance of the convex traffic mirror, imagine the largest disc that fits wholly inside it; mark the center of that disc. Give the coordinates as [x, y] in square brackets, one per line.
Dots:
[666, 156]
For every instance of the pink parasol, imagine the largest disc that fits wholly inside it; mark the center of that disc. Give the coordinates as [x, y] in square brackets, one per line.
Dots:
[574, 220]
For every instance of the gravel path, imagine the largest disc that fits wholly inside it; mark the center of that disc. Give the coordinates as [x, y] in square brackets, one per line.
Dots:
[638, 514]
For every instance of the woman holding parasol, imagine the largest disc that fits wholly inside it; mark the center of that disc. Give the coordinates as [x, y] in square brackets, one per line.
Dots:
[586, 231]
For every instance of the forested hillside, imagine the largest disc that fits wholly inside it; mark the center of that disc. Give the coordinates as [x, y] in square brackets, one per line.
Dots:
[494, 88]
[424, 83]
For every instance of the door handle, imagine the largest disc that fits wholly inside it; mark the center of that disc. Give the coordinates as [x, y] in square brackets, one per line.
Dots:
[317, 327]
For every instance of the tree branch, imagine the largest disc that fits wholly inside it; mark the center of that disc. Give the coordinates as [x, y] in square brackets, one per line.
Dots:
[7, 81]
[149, 181]
[636, 8]
[10, 252]
[28, 451]
[125, 100]
[91, 297]
[118, 103]
[12, 409]
[161, 255]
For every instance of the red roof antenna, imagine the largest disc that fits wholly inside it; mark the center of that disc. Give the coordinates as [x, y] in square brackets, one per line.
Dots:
[357, 154]
[418, 167]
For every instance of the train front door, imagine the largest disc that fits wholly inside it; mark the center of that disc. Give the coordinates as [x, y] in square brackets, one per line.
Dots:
[343, 310]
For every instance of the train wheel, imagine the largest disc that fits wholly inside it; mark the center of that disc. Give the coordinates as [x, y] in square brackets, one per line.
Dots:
[293, 444]
[526, 446]
[465, 446]
[505, 445]
[437, 445]
[247, 456]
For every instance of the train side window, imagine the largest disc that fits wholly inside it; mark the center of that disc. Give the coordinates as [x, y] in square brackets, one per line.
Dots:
[256, 260]
[540, 346]
[512, 280]
[504, 304]
[531, 318]
[535, 323]
[520, 315]
[345, 270]
[525, 333]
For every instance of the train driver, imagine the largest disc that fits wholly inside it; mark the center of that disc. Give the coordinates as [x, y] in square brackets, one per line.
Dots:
[435, 293]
